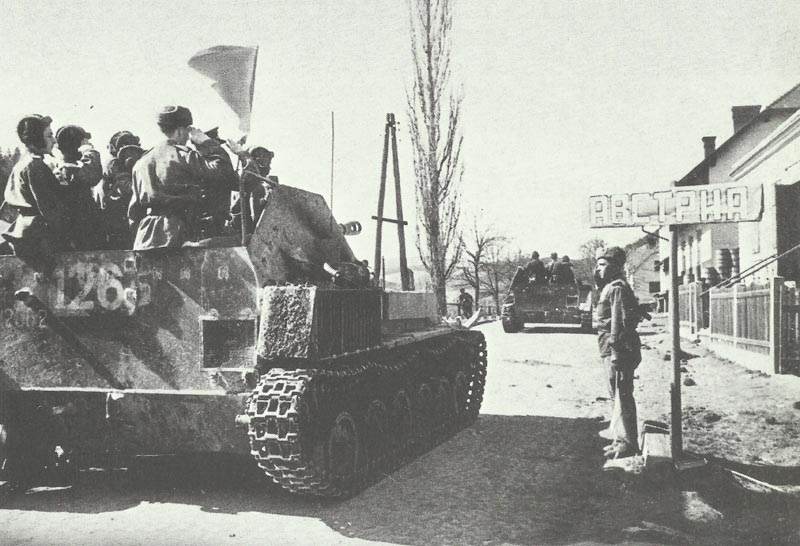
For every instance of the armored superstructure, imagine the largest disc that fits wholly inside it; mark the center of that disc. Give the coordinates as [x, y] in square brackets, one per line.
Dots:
[233, 348]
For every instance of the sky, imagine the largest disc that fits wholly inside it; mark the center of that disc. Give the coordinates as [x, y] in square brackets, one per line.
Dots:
[561, 99]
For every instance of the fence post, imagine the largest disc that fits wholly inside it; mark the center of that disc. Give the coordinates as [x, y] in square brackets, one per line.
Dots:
[698, 306]
[711, 315]
[736, 315]
[775, 323]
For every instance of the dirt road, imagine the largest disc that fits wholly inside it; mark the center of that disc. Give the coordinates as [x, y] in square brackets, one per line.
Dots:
[528, 472]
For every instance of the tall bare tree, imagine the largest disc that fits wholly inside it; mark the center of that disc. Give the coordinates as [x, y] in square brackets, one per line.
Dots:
[497, 274]
[434, 112]
[480, 241]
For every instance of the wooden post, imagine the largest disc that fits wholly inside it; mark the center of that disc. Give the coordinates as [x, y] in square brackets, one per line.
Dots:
[735, 313]
[401, 235]
[775, 323]
[381, 197]
[698, 307]
[676, 426]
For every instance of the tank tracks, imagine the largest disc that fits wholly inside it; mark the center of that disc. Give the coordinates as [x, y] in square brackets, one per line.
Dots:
[332, 431]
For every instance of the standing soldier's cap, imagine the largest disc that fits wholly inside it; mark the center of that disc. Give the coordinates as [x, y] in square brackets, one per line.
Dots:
[213, 134]
[30, 129]
[615, 255]
[175, 116]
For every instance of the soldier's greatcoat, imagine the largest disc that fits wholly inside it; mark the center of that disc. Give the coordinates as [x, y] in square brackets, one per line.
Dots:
[167, 190]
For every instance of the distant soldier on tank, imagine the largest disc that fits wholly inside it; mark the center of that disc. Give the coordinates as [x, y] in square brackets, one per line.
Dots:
[168, 181]
[535, 270]
[551, 266]
[562, 272]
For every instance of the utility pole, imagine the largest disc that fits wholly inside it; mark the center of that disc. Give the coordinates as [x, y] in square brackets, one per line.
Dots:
[390, 137]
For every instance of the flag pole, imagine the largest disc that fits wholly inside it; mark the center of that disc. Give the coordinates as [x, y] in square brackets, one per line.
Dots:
[244, 197]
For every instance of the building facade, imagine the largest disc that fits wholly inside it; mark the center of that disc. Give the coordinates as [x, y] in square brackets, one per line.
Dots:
[700, 246]
[775, 164]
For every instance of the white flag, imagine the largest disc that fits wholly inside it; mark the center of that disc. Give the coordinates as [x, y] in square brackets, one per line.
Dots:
[233, 69]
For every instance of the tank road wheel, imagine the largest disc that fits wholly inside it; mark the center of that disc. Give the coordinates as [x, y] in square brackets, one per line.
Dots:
[376, 433]
[401, 420]
[444, 407]
[423, 415]
[344, 451]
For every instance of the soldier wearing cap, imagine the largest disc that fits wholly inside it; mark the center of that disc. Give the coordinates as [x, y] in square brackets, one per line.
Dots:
[34, 192]
[80, 171]
[168, 181]
[616, 319]
[257, 181]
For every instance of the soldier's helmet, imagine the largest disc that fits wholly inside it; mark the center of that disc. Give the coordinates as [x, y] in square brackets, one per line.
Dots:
[129, 155]
[120, 139]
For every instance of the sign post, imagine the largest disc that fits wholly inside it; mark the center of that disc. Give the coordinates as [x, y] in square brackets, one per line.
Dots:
[684, 205]
[676, 411]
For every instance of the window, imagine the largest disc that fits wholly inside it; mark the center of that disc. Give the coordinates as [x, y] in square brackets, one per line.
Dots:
[654, 286]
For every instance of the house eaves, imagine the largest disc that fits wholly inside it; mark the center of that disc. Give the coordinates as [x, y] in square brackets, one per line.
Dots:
[789, 102]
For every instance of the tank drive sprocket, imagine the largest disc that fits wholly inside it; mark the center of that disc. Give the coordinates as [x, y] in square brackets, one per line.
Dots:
[329, 431]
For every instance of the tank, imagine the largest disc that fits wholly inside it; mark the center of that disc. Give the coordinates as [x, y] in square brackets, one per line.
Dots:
[546, 304]
[229, 348]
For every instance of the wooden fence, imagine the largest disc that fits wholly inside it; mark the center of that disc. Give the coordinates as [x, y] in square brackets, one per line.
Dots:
[693, 315]
[741, 316]
[789, 327]
[763, 319]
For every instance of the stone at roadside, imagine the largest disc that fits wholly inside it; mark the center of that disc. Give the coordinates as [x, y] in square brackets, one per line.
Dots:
[684, 370]
[667, 356]
[689, 382]
[712, 417]
[796, 405]
[771, 420]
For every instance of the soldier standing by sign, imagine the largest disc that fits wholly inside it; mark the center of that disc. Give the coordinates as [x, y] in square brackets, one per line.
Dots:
[616, 318]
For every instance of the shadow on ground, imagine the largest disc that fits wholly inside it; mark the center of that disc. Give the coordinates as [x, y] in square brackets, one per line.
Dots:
[514, 480]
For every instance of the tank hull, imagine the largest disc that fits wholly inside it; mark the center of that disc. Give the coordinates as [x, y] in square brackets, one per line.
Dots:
[325, 430]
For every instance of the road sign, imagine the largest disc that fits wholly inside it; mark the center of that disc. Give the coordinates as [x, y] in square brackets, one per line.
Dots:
[713, 203]
[710, 203]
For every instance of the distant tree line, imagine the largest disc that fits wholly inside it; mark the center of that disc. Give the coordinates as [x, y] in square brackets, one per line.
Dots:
[488, 264]
[8, 159]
